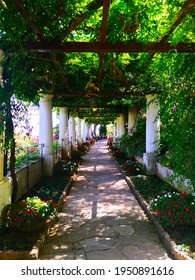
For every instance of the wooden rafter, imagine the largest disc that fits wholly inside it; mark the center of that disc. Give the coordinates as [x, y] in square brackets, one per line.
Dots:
[91, 7]
[104, 47]
[36, 30]
[187, 8]
[106, 6]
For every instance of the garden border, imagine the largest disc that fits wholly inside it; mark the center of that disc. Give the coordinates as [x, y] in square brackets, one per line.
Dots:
[33, 254]
[169, 244]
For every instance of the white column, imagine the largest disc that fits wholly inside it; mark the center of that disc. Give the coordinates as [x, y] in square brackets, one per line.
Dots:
[72, 132]
[120, 125]
[152, 132]
[132, 120]
[46, 133]
[83, 134]
[78, 130]
[63, 131]
[115, 130]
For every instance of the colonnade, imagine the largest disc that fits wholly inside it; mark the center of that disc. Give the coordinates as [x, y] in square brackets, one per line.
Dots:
[152, 136]
[72, 131]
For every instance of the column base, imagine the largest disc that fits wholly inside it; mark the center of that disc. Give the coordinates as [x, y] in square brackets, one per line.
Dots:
[48, 163]
[149, 161]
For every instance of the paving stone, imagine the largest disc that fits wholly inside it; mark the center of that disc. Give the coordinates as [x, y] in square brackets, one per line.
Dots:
[98, 244]
[124, 230]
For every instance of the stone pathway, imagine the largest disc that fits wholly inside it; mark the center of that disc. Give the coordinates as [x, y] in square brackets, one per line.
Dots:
[101, 219]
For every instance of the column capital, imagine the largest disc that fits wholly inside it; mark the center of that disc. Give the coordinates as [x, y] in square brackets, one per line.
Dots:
[45, 97]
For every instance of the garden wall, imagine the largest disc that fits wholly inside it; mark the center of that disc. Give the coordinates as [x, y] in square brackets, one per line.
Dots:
[28, 176]
[180, 183]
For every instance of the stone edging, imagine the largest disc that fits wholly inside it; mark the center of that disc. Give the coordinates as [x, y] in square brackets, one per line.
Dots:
[169, 244]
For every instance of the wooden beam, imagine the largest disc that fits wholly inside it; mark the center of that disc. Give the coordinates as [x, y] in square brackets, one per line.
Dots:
[106, 7]
[27, 18]
[186, 9]
[104, 47]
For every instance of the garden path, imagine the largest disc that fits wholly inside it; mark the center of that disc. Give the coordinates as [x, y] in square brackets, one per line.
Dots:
[101, 219]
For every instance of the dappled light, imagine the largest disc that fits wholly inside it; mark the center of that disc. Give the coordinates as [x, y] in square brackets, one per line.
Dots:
[101, 218]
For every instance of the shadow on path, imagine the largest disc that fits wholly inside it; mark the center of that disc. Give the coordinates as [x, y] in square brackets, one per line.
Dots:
[101, 219]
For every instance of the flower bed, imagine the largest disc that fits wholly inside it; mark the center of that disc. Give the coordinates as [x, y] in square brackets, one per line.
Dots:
[15, 244]
[148, 188]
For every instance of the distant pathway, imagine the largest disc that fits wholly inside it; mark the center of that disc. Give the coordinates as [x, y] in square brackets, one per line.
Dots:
[101, 219]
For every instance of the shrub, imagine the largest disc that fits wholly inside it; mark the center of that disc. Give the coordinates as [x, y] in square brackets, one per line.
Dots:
[28, 212]
[174, 209]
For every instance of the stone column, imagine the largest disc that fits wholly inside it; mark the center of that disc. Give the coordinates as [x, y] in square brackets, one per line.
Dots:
[83, 130]
[78, 130]
[132, 120]
[152, 133]
[46, 133]
[72, 132]
[120, 125]
[63, 131]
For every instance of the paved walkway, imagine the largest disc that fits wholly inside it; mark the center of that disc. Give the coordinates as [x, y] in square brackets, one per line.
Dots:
[101, 219]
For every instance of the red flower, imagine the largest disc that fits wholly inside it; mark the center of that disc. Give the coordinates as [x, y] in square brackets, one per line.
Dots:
[187, 210]
[181, 196]
[169, 212]
[185, 193]
[159, 212]
[176, 205]
[170, 202]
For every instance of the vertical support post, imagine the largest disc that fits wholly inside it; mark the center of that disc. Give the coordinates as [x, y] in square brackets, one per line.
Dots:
[152, 133]
[46, 133]
[63, 132]
[132, 120]
[72, 132]
[78, 130]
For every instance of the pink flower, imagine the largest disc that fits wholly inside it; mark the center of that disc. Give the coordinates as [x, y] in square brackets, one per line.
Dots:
[174, 108]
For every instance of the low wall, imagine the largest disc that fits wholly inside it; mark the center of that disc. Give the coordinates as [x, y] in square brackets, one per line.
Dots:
[28, 176]
[180, 183]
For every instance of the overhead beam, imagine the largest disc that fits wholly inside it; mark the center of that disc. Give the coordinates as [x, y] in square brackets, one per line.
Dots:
[106, 6]
[104, 47]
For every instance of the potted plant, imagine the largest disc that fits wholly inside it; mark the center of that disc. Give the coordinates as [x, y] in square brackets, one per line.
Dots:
[65, 168]
[30, 214]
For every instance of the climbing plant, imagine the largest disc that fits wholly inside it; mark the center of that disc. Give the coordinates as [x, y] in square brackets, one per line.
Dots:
[87, 82]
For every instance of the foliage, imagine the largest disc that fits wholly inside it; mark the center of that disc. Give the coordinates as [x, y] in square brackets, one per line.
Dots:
[65, 168]
[28, 212]
[134, 74]
[134, 144]
[133, 167]
[103, 130]
[173, 209]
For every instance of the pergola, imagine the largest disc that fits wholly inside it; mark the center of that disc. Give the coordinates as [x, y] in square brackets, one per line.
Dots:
[50, 33]
[87, 57]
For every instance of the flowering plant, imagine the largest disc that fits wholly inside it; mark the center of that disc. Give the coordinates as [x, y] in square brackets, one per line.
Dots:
[28, 212]
[69, 165]
[133, 167]
[173, 209]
